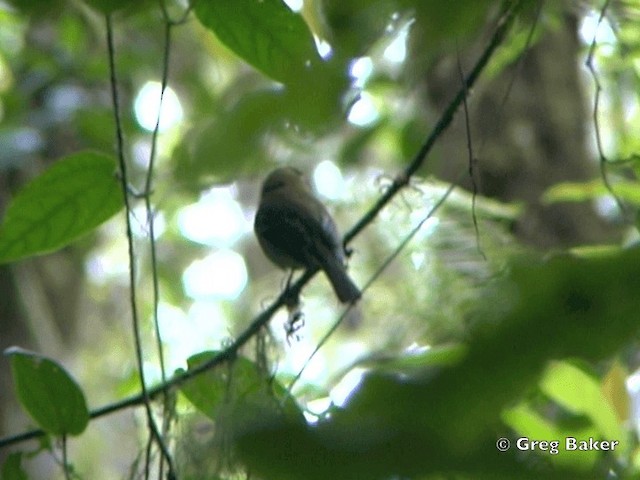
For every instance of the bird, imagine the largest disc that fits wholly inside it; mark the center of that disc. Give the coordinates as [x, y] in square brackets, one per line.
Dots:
[295, 230]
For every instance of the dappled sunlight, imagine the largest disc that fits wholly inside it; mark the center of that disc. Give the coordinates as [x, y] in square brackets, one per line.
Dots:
[363, 112]
[146, 107]
[328, 180]
[202, 327]
[216, 219]
[361, 70]
[341, 392]
[222, 274]
[592, 27]
[396, 51]
[324, 48]
[316, 409]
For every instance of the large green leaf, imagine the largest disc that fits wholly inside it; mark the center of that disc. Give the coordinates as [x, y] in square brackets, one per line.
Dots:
[237, 394]
[265, 33]
[531, 425]
[47, 391]
[581, 393]
[206, 391]
[68, 200]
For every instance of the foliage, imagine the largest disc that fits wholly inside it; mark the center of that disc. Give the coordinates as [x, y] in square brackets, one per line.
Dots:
[70, 199]
[50, 395]
[581, 308]
[454, 351]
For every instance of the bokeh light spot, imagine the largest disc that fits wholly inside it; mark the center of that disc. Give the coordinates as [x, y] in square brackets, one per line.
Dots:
[147, 103]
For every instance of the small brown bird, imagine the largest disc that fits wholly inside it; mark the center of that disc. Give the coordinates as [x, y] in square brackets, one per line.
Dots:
[295, 230]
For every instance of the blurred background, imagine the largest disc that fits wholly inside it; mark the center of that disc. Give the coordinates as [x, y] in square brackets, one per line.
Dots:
[392, 68]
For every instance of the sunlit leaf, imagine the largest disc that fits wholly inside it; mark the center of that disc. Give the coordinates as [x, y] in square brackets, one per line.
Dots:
[580, 192]
[68, 200]
[48, 393]
[579, 392]
[614, 390]
[530, 424]
[526, 421]
[266, 34]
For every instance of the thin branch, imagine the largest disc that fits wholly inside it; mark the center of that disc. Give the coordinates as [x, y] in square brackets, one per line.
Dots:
[603, 160]
[129, 232]
[151, 221]
[65, 459]
[520, 61]
[472, 162]
[147, 457]
[166, 416]
[263, 318]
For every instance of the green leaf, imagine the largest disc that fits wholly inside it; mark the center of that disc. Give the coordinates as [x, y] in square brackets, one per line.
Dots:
[614, 389]
[583, 191]
[237, 393]
[12, 468]
[68, 200]
[580, 393]
[206, 391]
[265, 33]
[48, 393]
[528, 423]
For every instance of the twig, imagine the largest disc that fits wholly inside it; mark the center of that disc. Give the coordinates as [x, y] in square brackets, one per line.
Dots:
[65, 459]
[129, 232]
[151, 222]
[603, 160]
[472, 162]
[148, 188]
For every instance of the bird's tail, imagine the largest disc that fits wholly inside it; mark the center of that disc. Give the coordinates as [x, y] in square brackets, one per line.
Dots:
[344, 287]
